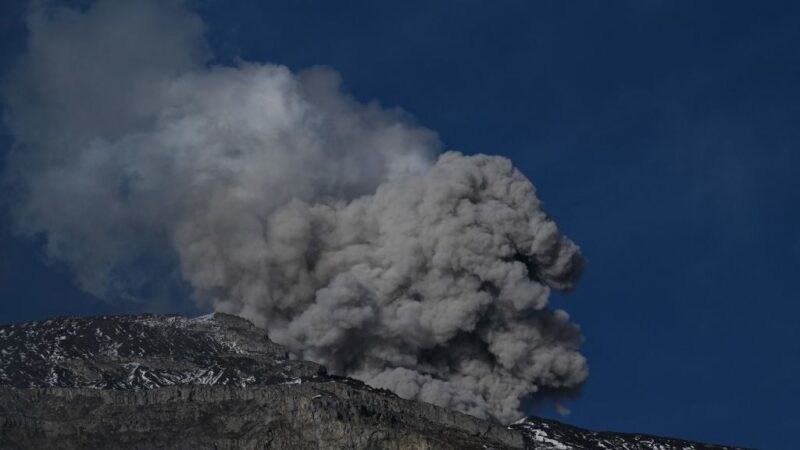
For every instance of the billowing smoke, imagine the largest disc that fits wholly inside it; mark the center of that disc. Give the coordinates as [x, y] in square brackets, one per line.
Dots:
[340, 227]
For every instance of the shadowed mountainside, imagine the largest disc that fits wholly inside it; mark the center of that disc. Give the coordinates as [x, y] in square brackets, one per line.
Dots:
[217, 381]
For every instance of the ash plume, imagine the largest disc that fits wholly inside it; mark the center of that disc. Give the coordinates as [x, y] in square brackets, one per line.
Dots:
[342, 228]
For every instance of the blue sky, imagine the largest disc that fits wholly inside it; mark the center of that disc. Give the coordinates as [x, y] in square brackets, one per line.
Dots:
[662, 136]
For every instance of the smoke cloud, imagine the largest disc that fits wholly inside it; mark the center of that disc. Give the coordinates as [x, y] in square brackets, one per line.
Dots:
[340, 227]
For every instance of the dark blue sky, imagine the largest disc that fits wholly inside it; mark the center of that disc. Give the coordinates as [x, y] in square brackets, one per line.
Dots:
[662, 136]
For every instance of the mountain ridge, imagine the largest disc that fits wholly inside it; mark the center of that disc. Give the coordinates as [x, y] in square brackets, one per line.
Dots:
[217, 381]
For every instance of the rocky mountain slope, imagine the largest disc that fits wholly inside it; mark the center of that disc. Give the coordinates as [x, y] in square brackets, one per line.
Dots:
[217, 382]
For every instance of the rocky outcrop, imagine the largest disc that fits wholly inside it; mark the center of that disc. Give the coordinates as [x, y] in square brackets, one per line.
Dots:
[217, 382]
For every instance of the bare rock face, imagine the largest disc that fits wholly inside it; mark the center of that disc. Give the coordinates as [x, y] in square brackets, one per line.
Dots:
[217, 382]
[211, 382]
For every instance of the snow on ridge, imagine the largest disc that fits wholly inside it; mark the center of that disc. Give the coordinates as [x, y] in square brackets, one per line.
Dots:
[130, 353]
[552, 435]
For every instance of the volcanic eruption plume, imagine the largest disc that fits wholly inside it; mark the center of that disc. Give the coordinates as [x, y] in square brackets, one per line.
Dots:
[340, 227]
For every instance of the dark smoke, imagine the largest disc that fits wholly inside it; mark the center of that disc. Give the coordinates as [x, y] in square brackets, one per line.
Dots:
[338, 226]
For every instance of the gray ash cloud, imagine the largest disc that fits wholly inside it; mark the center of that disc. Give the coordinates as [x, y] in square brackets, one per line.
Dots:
[340, 227]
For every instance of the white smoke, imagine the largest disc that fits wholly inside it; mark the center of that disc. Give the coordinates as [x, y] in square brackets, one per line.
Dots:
[340, 227]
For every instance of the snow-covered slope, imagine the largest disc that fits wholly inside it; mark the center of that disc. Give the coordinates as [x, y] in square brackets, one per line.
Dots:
[143, 352]
[550, 434]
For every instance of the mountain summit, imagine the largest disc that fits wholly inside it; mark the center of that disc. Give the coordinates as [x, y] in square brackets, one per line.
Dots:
[218, 382]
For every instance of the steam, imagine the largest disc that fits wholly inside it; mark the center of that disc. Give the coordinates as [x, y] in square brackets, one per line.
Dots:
[338, 226]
